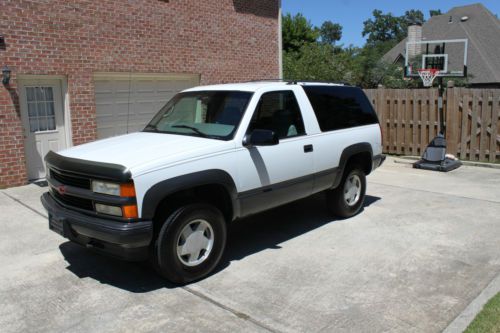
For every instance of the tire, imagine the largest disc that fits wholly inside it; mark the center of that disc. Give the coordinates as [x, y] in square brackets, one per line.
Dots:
[346, 201]
[190, 243]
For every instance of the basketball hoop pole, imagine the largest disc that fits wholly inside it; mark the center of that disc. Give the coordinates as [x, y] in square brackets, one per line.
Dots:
[442, 126]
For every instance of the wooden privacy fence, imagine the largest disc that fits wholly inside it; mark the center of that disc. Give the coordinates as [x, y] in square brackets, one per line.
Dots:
[409, 121]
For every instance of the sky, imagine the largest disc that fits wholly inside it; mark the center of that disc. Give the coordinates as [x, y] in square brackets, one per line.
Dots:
[351, 14]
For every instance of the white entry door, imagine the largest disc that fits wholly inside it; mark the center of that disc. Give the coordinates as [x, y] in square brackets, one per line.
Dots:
[43, 121]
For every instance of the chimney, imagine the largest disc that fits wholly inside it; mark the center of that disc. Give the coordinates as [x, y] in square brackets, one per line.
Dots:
[414, 35]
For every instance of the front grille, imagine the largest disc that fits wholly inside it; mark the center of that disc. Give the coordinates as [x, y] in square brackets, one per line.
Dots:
[74, 201]
[71, 179]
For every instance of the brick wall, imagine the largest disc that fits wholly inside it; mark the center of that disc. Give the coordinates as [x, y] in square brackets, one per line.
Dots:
[223, 40]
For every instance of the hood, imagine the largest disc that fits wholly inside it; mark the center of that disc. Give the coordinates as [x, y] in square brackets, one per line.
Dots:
[143, 151]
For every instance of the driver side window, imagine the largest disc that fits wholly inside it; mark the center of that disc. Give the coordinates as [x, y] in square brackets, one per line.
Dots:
[278, 111]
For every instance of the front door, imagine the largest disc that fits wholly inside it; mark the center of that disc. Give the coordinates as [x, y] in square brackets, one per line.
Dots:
[43, 121]
[273, 175]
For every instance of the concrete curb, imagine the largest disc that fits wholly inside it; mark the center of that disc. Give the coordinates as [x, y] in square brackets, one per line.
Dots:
[460, 323]
[468, 163]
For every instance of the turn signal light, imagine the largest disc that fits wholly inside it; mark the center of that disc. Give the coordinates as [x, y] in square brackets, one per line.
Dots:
[127, 190]
[130, 212]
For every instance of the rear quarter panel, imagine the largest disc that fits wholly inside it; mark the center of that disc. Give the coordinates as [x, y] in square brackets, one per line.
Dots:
[328, 146]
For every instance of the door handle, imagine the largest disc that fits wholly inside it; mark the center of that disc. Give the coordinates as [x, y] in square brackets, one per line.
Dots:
[308, 149]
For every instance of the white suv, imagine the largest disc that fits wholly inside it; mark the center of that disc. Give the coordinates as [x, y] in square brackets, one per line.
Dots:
[213, 155]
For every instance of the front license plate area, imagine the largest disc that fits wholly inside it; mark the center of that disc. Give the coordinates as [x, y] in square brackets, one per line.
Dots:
[57, 225]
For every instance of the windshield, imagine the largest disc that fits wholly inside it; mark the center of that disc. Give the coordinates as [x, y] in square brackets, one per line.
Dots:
[210, 114]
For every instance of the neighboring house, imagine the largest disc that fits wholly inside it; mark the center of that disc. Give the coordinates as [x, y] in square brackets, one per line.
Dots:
[83, 70]
[473, 22]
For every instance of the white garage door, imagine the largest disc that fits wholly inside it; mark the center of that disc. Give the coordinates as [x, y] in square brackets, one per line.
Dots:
[126, 103]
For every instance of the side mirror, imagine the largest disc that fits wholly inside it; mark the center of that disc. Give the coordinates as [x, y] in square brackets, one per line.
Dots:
[260, 137]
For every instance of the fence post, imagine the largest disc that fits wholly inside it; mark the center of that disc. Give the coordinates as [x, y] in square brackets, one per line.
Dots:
[416, 123]
[465, 121]
[494, 129]
[451, 120]
[382, 117]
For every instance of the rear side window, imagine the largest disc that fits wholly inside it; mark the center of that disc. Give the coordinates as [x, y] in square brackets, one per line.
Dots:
[340, 107]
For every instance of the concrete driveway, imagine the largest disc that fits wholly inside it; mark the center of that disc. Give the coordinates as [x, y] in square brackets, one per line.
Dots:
[424, 247]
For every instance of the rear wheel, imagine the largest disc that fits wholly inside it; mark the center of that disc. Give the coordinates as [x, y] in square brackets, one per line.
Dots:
[347, 199]
[190, 243]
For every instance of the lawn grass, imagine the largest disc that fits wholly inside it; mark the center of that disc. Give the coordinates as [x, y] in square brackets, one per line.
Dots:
[488, 320]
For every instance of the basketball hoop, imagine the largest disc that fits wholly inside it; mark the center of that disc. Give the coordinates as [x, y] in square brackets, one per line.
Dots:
[428, 75]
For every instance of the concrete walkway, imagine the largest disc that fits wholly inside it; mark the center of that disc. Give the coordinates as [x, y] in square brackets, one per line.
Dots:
[425, 246]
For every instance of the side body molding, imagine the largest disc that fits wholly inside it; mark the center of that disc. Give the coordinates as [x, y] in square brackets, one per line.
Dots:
[348, 152]
[172, 185]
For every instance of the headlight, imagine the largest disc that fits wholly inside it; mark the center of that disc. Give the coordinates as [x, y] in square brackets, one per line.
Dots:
[106, 188]
[123, 190]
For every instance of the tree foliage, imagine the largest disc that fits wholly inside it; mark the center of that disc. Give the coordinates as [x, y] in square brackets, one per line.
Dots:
[435, 12]
[297, 31]
[382, 28]
[330, 32]
[387, 27]
[316, 61]
[309, 53]
[412, 17]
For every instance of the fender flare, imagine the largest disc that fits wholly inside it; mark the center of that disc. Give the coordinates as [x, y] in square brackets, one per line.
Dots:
[159, 191]
[347, 153]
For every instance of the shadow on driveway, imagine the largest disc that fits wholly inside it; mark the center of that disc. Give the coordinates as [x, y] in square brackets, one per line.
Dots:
[246, 237]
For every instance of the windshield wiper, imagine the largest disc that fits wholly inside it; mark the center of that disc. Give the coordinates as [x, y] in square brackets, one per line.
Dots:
[151, 128]
[194, 129]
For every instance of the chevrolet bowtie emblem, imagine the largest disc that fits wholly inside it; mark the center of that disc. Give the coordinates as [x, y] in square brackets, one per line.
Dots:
[61, 189]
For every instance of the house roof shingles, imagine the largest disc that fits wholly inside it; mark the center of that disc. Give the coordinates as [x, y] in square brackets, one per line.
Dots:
[482, 29]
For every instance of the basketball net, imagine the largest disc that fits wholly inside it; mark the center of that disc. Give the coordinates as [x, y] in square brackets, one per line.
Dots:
[428, 75]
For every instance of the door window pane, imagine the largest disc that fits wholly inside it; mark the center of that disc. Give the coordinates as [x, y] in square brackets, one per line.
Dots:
[50, 108]
[32, 110]
[48, 93]
[33, 124]
[279, 112]
[42, 123]
[41, 111]
[52, 122]
[39, 95]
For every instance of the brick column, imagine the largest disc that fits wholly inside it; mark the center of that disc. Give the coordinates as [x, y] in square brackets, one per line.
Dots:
[12, 160]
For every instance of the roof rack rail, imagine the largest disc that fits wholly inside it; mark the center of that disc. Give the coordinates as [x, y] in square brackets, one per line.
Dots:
[264, 80]
[289, 81]
[321, 81]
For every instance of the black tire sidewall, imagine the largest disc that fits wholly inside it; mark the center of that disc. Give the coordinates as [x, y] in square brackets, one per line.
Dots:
[337, 202]
[169, 264]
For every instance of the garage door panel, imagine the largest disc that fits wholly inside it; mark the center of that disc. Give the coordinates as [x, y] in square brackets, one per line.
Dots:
[124, 105]
[142, 87]
[144, 110]
[121, 86]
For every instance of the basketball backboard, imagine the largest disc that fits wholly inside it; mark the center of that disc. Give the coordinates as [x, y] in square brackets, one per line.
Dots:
[449, 56]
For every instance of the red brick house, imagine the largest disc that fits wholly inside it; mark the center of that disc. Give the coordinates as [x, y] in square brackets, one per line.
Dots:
[82, 70]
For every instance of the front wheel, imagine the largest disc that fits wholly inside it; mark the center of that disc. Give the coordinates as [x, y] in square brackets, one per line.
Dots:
[190, 243]
[347, 199]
